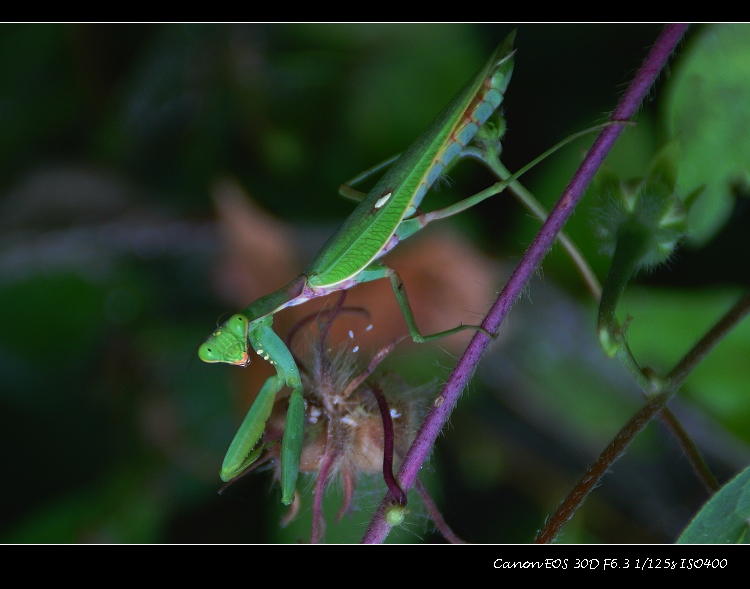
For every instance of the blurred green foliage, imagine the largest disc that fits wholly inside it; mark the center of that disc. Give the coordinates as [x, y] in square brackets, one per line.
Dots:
[113, 136]
[706, 112]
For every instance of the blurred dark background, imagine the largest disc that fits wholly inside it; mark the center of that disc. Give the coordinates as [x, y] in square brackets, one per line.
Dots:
[118, 254]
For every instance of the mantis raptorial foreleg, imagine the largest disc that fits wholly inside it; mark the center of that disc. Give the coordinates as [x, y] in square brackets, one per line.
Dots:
[246, 447]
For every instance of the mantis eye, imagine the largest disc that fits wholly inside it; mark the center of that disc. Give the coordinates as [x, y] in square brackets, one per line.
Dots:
[209, 354]
[238, 325]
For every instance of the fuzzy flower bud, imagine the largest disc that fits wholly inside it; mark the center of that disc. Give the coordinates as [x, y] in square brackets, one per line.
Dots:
[640, 224]
[645, 215]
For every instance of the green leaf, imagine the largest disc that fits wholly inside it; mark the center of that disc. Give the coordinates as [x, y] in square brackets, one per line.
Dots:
[708, 112]
[725, 518]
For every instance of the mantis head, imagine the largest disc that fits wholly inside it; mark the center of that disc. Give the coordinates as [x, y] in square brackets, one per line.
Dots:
[228, 343]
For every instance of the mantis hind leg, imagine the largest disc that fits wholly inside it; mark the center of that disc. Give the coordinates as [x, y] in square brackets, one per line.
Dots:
[375, 272]
[347, 189]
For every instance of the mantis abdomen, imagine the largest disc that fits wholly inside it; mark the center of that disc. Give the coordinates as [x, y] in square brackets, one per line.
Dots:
[367, 233]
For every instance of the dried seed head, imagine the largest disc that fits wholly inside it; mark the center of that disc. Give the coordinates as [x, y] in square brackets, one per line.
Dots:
[344, 435]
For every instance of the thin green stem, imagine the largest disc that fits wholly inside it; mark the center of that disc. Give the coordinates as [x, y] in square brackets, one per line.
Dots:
[528, 200]
[631, 246]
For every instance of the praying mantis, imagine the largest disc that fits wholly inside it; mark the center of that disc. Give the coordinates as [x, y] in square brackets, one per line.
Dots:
[387, 215]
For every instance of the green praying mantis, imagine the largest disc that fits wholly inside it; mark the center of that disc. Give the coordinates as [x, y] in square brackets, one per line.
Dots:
[388, 214]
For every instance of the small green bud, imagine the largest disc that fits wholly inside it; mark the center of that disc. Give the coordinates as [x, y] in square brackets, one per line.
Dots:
[395, 514]
[609, 344]
[643, 215]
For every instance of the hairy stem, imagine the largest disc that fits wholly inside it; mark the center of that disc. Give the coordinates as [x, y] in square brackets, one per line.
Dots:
[614, 450]
[689, 361]
[446, 400]
[435, 515]
[597, 470]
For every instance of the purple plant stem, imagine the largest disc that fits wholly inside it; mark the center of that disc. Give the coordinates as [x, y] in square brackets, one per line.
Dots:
[446, 400]
[385, 414]
[435, 515]
[318, 521]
